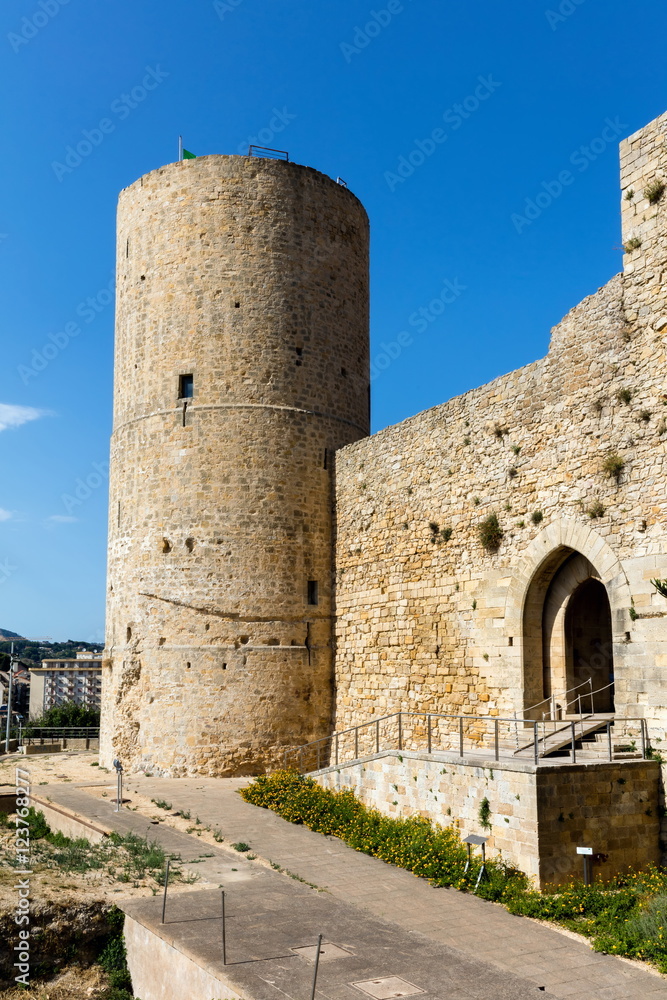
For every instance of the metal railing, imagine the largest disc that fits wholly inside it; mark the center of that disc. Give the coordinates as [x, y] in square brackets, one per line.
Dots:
[553, 699]
[29, 735]
[267, 153]
[470, 735]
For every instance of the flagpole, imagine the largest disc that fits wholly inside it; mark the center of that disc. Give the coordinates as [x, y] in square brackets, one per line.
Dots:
[180, 147]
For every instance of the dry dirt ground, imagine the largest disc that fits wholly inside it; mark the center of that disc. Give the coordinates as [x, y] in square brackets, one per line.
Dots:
[50, 883]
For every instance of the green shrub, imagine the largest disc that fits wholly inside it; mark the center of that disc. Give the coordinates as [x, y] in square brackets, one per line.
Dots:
[490, 533]
[613, 465]
[654, 191]
[537, 517]
[68, 714]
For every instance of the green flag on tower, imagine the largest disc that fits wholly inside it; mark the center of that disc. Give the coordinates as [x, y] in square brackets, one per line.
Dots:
[187, 155]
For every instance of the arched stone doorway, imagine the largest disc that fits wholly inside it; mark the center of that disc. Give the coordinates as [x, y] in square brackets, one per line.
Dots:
[567, 633]
[589, 654]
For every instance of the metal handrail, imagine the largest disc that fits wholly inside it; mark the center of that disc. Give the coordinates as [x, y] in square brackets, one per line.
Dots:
[539, 743]
[552, 697]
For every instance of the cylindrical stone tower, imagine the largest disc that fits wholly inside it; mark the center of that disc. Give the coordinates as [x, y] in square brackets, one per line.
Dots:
[242, 364]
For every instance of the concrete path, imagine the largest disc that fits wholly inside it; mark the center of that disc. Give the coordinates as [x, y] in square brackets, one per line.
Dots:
[539, 954]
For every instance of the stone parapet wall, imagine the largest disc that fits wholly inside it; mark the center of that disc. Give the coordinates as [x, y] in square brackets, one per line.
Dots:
[538, 816]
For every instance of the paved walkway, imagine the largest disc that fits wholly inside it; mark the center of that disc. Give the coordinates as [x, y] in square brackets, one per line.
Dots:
[546, 958]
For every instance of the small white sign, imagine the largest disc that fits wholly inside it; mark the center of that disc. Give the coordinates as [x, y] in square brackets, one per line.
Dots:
[584, 850]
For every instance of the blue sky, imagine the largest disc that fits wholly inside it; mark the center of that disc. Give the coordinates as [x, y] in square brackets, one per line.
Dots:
[355, 89]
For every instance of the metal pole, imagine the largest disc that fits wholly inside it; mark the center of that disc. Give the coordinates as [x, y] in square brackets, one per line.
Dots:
[460, 736]
[318, 756]
[336, 748]
[644, 740]
[535, 741]
[317, 965]
[119, 791]
[180, 147]
[400, 731]
[497, 740]
[356, 742]
[166, 883]
[611, 755]
[377, 736]
[9, 698]
[429, 733]
[574, 744]
[224, 932]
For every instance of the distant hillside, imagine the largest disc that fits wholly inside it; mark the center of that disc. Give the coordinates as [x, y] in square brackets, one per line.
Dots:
[5, 634]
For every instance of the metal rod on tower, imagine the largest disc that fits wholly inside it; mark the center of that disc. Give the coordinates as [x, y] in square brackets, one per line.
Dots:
[180, 147]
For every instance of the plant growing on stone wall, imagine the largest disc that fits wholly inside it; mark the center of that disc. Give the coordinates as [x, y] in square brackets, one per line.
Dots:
[513, 472]
[466, 440]
[474, 605]
[633, 243]
[595, 510]
[645, 415]
[660, 586]
[499, 431]
[516, 448]
[537, 517]
[632, 611]
[490, 533]
[446, 534]
[484, 814]
[654, 191]
[629, 194]
[476, 501]
[521, 524]
[627, 336]
[613, 465]
[624, 395]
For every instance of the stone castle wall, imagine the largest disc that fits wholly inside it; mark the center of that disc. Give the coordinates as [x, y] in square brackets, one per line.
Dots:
[428, 620]
[251, 276]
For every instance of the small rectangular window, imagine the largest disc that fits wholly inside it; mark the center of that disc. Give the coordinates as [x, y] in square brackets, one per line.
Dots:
[186, 386]
[313, 597]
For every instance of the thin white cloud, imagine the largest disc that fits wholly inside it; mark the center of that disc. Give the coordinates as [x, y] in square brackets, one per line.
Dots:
[15, 416]
[62, 519]
[5, 515]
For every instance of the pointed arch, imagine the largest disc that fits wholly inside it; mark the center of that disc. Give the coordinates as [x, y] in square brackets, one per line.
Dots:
[536, 614]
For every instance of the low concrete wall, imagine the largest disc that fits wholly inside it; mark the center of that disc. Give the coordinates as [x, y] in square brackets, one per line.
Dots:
[161, 972]
[69, 823]
[538, 816]
[32, 749]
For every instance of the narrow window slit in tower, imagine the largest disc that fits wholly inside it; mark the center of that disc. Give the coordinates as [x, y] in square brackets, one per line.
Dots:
[343, 372]
[224, 666]
[237, 305]
[313, 596]
[326, 458]
[299, 351]
[186, 386]
[510, 641]
[166, 545]
[189, 544]
[187, 666]
[128, 634]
